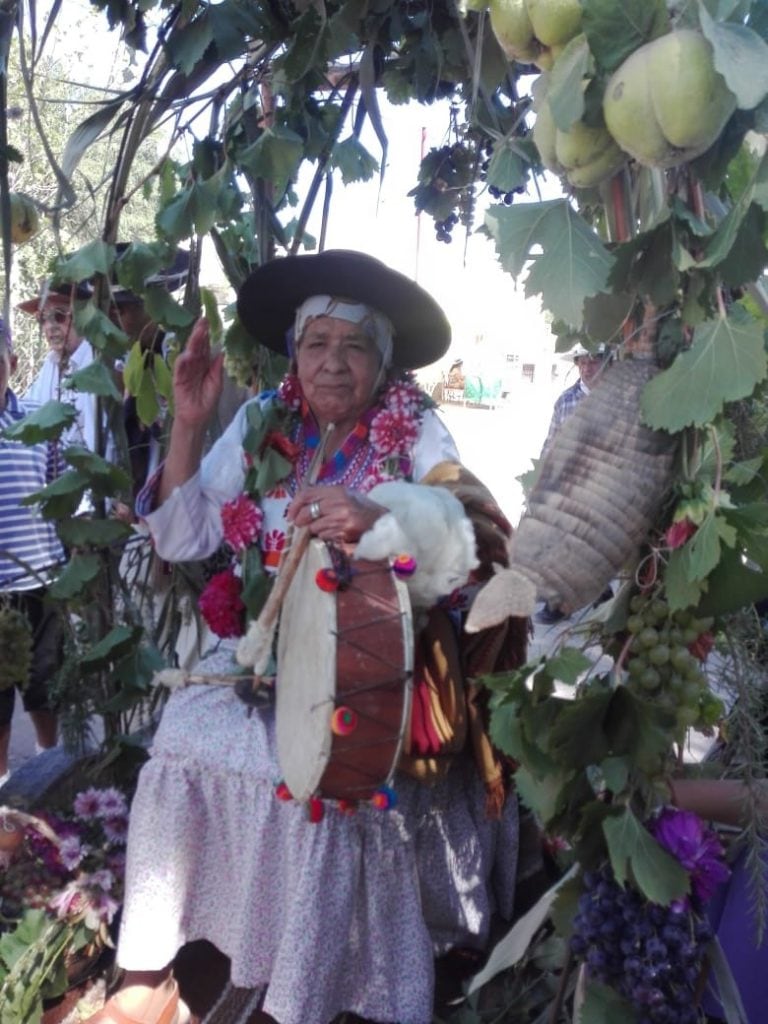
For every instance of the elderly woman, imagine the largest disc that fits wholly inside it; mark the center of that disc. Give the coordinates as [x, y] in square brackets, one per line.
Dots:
[344, 913]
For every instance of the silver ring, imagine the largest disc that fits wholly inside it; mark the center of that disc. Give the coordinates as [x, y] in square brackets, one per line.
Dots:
[314, 510]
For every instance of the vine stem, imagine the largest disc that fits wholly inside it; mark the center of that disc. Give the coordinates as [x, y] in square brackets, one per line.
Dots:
[719, 465]
[559, 999]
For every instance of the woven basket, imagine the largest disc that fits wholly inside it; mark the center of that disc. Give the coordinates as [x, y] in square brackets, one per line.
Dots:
[599, 489]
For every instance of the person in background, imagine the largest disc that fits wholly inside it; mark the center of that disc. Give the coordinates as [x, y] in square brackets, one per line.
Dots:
[590, 365]
[30, 551]
[68, 352]
[128, 312]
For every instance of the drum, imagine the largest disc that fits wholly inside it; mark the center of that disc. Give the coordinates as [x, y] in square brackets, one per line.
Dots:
[343, 689]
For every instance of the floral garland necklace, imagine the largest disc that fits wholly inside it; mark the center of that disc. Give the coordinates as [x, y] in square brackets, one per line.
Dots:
[280, 440]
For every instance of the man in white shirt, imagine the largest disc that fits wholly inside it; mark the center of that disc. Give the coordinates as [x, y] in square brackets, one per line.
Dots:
[69, 352]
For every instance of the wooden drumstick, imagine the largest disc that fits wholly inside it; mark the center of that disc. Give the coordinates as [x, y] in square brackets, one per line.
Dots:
[255, 647]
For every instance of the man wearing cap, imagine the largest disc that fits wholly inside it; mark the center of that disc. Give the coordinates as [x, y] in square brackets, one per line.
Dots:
[68, 353]
[30, 554]
[325, 906]
[590, 365]
[128, 312]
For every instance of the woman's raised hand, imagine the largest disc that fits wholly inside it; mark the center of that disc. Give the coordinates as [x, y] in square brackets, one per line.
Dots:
[198, 376]
[334, 513]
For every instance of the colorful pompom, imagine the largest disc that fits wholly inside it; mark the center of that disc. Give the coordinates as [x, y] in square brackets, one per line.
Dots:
[347, 806]
[343, 721]
[404, 565]
[327, 580]
[282, 792]
[316, 810]
[384, 798]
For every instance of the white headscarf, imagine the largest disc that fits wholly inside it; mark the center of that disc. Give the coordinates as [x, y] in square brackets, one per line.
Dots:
[376, 326]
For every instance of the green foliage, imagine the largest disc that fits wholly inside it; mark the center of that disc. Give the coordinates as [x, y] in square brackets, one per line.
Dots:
[573, 263]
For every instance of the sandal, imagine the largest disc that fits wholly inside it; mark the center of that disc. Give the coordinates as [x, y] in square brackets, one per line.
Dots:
[161, 1005]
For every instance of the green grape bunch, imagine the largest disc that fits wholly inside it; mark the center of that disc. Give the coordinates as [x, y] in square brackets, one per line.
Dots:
[661, 666]
[16, 645]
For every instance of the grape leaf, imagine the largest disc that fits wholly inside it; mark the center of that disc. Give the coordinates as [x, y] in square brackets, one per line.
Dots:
[616, 30]
[164, 309]
[725, 362]
[354, 161]
[604, 1005]
[274, 156]
[568, 664]
[95, 379]
[632, 848]
[84, 532]
[565, 94]
[705, 545]
[94, 258]
[682, 592]
[572, 265]
[43, 424]
[185, 48]
[75, 576]
[110, 648]
[741, 57]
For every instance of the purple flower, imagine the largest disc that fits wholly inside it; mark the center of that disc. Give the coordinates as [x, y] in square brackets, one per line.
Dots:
[87, 804]
[695, 846]
[72, 852]
[115, 830]
[111, 803]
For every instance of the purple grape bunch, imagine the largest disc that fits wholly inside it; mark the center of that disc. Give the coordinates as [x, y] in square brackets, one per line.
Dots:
[650, 954]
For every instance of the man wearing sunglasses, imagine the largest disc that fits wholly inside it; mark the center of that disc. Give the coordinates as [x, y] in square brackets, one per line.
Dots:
[68, 352]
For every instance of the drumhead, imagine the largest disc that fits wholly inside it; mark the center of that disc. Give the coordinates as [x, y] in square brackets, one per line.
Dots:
[306, 678]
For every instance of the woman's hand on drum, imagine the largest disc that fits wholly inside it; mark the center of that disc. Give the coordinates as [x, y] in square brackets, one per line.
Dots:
[334, 513]
[197, 378]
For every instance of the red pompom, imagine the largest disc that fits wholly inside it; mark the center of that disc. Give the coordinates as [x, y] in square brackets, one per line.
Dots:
[404, 565]
[384, 798]
[343, 721]
[347, 806]
[282, 792]
[327, 580]
[316, 810]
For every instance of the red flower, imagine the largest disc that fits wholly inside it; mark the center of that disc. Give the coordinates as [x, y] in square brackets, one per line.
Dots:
[679, 532]
[241, 519]
[221, 604]
[289, 391]
[393, 433]
[702, 645]
[282, 445]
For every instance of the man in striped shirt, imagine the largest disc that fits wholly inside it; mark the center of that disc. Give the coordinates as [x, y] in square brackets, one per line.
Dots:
[30, 554]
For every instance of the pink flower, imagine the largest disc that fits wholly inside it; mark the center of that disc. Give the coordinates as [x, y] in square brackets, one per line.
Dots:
[404, 397]
[695, 846]
[289, 392]
[241, 520]
[87, 805]
[679, 532]
[221, 604]
[68, 902]
[112, 803]
[393, 433]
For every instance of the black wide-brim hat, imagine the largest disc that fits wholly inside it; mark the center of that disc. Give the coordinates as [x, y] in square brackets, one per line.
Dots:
[269, 297]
